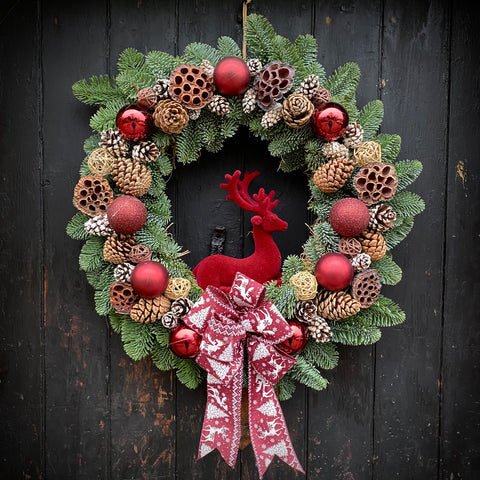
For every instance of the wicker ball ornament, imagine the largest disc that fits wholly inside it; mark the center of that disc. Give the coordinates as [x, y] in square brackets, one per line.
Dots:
[329, 121]
[178, 287]
[184, 342]
[305, 285]
[376, 182]
[134, 122]
[366, 287]
[320, 97]
[92, 195]
[147, 98]
[139, 254]
[297, 342]
[366, 153]
[127, 214]
[349, 246]
[231, 76]
[333, 271]
[149, 279]
[190, 86]
[100, 162]
[349, 217]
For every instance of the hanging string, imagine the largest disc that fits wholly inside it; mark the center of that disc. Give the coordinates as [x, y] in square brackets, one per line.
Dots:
[244, 16]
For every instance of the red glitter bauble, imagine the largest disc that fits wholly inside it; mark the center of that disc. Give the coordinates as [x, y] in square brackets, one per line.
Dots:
[149, 279]
[349, 217]
[329, 121]
[334, 271]
[127, 214]
[184, 342]
[231, 76]
[296, 343]
[134, 122]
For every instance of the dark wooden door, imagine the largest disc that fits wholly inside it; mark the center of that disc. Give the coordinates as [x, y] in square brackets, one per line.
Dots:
[75, 407]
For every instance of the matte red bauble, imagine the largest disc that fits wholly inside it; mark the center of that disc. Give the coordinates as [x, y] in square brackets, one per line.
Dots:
[134, 122]
[329, 121]
[231, 76]
[349, 217]
[334, 271]
[296, 343]
[127, 214]
[184, 342]
[149, 279]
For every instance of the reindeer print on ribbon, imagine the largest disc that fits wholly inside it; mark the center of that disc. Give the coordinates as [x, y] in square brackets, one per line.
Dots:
[229, 325]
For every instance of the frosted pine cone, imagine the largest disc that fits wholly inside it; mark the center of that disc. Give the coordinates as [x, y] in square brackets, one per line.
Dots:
[115, 143]
[382, 217]
[353, 135]
[319, 329]
[207, 67]
[219, 105]
[194, 114]
[254, 65]
[98, 225]
[272, 117]
[145, 152]
[123, 272]
[334, 150]
[161, 88]
[361, 262]
[308, 86]
[181, 307]
[169, 320]
[249, 101]
[305, 311]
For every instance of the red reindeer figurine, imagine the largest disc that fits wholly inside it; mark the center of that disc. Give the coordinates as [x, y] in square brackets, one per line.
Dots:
[265, 263]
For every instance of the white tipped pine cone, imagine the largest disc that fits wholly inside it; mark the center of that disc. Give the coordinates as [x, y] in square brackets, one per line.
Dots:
[319, 329]
[308, 86]
[249, 101]
[334, 150]
[382, 217]
[98, 225]
[115, 143]
[361, 262]
[207, 67]
[181, 306]
[161, 88]
[145, 152]
[272, 117]
[123, 272]
[353, 135]
[194, 114]
[219, 105]
[254, 65]
[169, 320]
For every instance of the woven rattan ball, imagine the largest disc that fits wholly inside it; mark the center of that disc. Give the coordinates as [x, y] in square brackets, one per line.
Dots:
[349, 246]
[368, 152]
[100, 162]
[139, 253]
[305, 285]
[178, 288]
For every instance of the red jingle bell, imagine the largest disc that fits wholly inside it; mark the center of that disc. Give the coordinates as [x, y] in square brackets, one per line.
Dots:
[149, 279]
[231, 76]
[127, 214]
[184, 342]
[349, 217]
[329, 121]
[296, 343]
[134, 122]
[333, 271]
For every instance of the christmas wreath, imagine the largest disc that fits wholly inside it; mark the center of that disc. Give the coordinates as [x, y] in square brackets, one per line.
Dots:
[161, 109]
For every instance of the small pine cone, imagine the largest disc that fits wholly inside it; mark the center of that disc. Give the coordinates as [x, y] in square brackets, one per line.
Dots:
[169, 320]
[373, 244]
[181, 307]
[145, 152]
[117, 248]
[207, 67]
[272, 117]
[333, 175]
[319, 329]
[147, 98]
[149, 310]
[353, 135]
[123, 271]
[161, 88]
[361, 262]
[336, 305]
[140, 253]
[254, 65]
[115, 143]
[320, 97]
[382, 217]
[305, 310]
[297, 110]
[334, 150]
[98, 225]
[349, 246]
[249, 101]
[132, 177]
[219, 105]
[170, 117]
[194, 114]
[308, 86]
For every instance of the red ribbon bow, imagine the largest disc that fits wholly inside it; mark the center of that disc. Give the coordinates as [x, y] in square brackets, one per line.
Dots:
[227, 324]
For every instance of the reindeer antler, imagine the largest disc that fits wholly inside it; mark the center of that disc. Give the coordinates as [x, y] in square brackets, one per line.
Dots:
[238, 190]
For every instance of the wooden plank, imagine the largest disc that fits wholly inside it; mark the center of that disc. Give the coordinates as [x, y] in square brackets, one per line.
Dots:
[415, 74]
[460, 415]
[77, 397]
[21, 330]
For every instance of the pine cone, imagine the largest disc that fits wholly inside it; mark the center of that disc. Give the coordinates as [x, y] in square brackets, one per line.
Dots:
[219, 105]
[333, 175]
[334, 150]
[373, 244]
[194, 114]
[353, 135]
[117, 247]
[366, 287]
[207, 67]
[320, 97]
[169, 320]
[92, 195]
[149, 310]
[145, 152]
[349, 246]
[170, 116]
[336, 305]
[249, 101]
[131, 177]
[305, 310]
[254, 65]
[140, 253]
[272, 117]
[272, 82]
[297, 110]
[147, 98]
[382, 217]
[181, 307]
[308, 86]
[123, 271]
[115, 143]
[376, 182]
[161, 88]
[98, 225]
[319, 329]
[361, 262]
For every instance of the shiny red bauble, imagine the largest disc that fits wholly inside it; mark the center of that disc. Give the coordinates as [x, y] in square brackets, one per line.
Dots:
[149, 279]
[329, 121]
[333, 271]
[231, 76]
[296, 343]
[134, 122]
[349, 217]
[184, 342]
[127, 214]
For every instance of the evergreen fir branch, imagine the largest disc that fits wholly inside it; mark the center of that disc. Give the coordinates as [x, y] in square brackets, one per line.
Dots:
[76, 226]
[288, 139]
[91, 144]
[292, 161]
[390, 273]
[314, 157]
[138, 339]
[84, 168]
[284, 51]
[316, 69]
[291, 265]
[314, 250]
[209, 131]
[354, 335]
[102, 301]
[284, 297]
[161, 139]
[390, 146]
[307, 374]
[407, 172]
[160, 64]
[159, 210]
[343, 83]
[131, 81]
[325, 234]
[189, 372]
[407, 204]
[163, 165]
[116, 321]
[91, 255]
[227, 47]
[102, 277]
[396, 234]
[306, 47]
[189, 144]
[97, 91]
[130, 59]
[196, 52]
[323, 355]
[285, 388]
[322, 202]
[163, 357]
[384, 313]
[260, 37]
[105, 117]
[370, 118]
[157, 187]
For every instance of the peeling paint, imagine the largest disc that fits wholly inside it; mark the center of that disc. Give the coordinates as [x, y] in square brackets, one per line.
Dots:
[462, 172]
